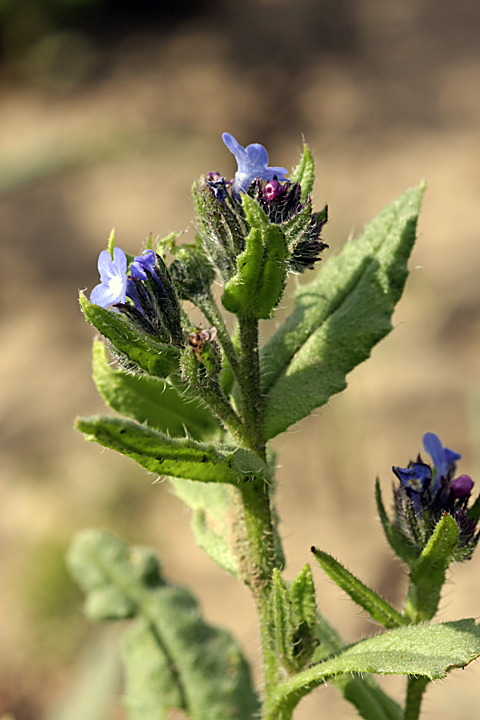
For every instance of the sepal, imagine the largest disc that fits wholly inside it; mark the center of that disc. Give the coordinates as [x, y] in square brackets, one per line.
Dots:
[399, 542]
[136, 351]
[304, 173]
[222, 227]
[428, 574]
[258, 285]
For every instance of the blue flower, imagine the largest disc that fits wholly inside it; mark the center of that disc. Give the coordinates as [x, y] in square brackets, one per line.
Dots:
[113, 276]
[414, 476]
[252, 163]
[444, 459]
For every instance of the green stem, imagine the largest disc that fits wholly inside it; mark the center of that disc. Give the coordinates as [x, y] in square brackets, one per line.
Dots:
[415, 689]
[249, 381]
[257, 508]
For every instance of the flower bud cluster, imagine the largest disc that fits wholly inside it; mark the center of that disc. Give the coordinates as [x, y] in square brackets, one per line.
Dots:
[426, 491]
[222, 218]
[144, 293]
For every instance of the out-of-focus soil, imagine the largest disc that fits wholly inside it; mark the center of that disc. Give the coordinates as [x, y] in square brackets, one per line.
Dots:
[386, 94]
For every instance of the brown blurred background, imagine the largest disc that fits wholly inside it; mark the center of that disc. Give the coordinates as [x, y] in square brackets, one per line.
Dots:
[108, 110]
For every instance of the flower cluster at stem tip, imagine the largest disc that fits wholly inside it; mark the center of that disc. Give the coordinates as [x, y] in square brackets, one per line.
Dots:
[427, 491]
[116, 285]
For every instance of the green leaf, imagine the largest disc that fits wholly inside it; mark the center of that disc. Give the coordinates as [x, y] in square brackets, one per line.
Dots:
[371, 702]
[173, 658]
[281, 619]
[154, 402]
[302, 596]
[178, 457]
[428, 574]
[422, 650]
[378, 608]
[257, 287]
[141, 352]
[338, 317]
[214, 523]
[304, 173]
[400, 544]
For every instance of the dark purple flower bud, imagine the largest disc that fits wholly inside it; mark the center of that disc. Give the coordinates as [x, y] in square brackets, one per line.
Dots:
[272, 190]
[461, 487]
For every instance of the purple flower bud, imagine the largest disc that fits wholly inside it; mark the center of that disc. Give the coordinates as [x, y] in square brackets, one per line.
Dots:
[461, 487]
[272, 190]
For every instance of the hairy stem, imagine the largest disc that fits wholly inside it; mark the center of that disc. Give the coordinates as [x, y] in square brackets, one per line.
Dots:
[249, 381]
[415, 689]
[255, 493]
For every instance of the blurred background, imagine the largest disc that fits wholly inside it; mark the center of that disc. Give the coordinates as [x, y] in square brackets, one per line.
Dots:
[108, 111]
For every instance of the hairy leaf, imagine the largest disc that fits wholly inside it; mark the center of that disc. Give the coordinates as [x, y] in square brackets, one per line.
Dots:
[173, 659]
[154, 402]
[178, 457]
[214, 522]
[422, 650]
[378, 608]
[338, 317]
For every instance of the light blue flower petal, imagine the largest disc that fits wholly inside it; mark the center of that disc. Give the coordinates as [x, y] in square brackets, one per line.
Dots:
[101, 295]
[119, 261]
[233, 145]
[257, 155]
[104, 265]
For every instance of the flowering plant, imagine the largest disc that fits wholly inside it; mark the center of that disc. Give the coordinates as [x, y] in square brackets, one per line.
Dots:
[199, 405]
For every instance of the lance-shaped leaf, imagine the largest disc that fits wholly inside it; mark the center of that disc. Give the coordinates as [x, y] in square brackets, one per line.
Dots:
[257, 286]
[173, 659]
[378, 608]
[364, 693]
[338, 317]
[425, 650]
[154, 402]
[304, 173]
[400, 544]
[178, 457]
[214, 521]
[428, 574]
[141, 352]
